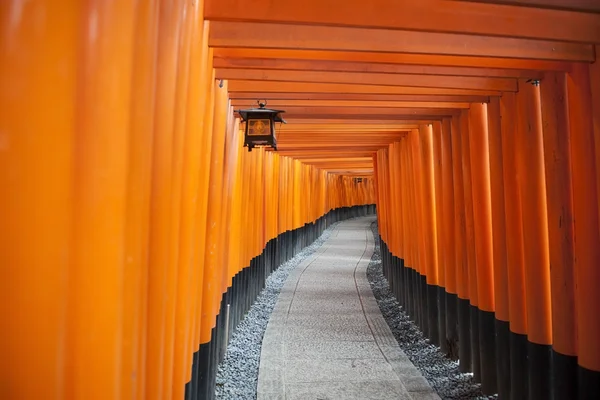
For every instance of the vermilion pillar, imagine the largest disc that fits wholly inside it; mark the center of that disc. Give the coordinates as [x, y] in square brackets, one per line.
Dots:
[471, 248]
[587, 228]
[462, 265]
[499, 249]
[37, 133]
[439, 232]
[96, 253]
[559, 197]
[482, 218]
[517, 300]
[429, 230]
[448, 235]
[531, 173]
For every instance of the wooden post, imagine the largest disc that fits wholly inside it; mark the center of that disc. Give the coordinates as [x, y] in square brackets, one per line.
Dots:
[530, 169]
[470, 238]
[482, 219]
[499, 248]
[462, 264]
[517, 300]
[37, 143]
[559, 198]
[587, 228]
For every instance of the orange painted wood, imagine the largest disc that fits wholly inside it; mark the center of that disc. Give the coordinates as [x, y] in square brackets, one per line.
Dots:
[238, 97]
[498, 211]
[585, 207]
[173, 292]
[517, 300]
[438, 226]
[392, 112]
[469, 212]
[138, 201]
[354, 103]
[482, 205]
[335, 38]
[198, 87]
[448, 225]
[36, 160]
[266, 87]
[442, 15]
[559, 198]
[460, 227]
[406, 80]
[594, 70]
[575, 5]
[161, 200]
[203, 188]
[212, 282]
[396, 58]
[530, 164]
[100, 166]
[367, 67]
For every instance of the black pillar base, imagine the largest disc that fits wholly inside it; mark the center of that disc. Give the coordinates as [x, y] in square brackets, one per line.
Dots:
[475, 351]
[464, 335]
[589, 384]
[519, 381]
[540, 362]
[432, 313]
[452, 325]
[487, 351]
[442, 318]
[564, 376]
[503, 358]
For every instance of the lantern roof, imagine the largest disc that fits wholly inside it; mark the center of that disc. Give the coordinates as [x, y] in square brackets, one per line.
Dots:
[262, 110]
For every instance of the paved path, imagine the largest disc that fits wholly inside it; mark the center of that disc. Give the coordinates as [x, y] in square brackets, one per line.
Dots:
[327, 339]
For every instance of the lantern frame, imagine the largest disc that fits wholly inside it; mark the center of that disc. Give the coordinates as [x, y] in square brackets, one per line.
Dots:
[259, 127]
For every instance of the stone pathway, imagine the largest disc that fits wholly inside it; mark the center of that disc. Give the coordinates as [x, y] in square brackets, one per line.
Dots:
[326, 338]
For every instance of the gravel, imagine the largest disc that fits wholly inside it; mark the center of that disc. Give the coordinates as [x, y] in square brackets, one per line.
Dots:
[441, 372]
[237, 375]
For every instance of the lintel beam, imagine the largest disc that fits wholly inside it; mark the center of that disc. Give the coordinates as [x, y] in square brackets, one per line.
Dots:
[440, 16]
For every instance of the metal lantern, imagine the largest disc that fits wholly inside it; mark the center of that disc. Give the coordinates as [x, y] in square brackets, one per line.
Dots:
[260, 126]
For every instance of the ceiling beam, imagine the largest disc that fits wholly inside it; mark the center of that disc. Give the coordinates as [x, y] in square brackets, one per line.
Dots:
[352, 103]
[423, 81]
[573, 5]
[252, 97]
[423, 15]
[409, 111]
[367, 67]
[394, 58]
[307, 87]
[312, 37]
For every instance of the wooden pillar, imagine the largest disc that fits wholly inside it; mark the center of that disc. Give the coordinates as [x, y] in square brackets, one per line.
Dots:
[211, 293]
[37, 139]
[138, 200]
[439, 233]
[429, 231]
[482, 221]
[559, 198]
[499, 249]
[531, 171]
[448, 238]
[160, 218]
[471, 251]
[96, 278]
[587, 228]
[460, 243]
[514, 247]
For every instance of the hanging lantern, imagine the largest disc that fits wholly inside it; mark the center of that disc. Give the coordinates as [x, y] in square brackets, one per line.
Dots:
[260, 126]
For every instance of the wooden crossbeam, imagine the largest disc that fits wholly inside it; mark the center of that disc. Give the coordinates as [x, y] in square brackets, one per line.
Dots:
[308, 87]
[424, 15]
[367, 67]
[405, 80]
[312, 37]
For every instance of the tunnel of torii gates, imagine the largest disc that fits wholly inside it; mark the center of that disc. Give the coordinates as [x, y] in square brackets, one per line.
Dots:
[130, 212]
